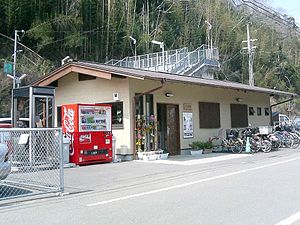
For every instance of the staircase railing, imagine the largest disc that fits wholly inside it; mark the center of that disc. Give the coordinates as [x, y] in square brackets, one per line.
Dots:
[176, 61]
[193, 58]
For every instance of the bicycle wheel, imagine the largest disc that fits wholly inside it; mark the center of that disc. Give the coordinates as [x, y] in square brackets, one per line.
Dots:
[266, 146]
[296, 141]
[253, 146]
[237, 148]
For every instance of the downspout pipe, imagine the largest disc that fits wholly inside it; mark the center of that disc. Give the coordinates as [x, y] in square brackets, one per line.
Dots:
[279, 103]
[134, 98]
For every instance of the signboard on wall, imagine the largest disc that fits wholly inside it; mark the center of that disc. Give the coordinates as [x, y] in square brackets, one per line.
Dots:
[187, 106]
[188, 127]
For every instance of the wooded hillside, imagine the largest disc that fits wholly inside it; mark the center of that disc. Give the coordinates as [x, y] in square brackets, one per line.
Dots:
[98, 30]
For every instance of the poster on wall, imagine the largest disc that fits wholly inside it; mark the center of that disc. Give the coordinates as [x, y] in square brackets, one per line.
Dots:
[188, 129]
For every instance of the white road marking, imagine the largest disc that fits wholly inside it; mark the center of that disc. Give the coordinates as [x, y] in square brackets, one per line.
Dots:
[190, 183]
[197, 161]
[290, 220]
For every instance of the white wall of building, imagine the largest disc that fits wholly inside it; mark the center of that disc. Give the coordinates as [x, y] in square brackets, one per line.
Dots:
[193, 94]
[70, 90]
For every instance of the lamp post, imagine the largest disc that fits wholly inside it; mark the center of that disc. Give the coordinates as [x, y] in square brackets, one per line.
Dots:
[209, 38]
[16, 80]
[161, 45]
[15, 57]
[134, 42]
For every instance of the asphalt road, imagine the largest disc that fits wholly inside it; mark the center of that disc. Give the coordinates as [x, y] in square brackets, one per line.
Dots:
[260, 189]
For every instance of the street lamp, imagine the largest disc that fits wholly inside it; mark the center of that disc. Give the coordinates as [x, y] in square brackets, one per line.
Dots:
[15, 56]
[209, 37]
[16, 80]
[161, 45]
[134, 42]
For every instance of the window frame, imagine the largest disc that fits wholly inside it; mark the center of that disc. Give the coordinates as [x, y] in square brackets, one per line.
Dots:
[209, 115]
[267, 111]
[251, 111]
[121, 125]
[236, 110]
[259, 111]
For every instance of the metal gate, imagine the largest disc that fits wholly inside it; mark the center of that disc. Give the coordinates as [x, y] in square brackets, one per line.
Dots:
[31, 162]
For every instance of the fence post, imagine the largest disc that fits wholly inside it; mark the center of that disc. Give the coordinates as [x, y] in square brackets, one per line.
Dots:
[61, 166]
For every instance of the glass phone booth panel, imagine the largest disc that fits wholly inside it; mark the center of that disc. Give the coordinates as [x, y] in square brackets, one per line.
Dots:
[43, 106]
[33, 107]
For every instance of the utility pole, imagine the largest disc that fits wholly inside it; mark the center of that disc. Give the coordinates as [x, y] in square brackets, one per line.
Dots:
[250, 52]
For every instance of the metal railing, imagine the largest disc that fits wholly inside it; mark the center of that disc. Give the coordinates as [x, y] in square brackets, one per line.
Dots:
[196, 57]
[176, 61]
[153, 61]
[30, 162]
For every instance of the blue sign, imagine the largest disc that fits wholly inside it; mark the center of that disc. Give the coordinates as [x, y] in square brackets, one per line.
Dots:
[8, 68]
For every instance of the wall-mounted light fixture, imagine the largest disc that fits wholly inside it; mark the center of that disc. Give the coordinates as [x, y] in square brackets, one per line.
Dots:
[239, 99]
[169, 94]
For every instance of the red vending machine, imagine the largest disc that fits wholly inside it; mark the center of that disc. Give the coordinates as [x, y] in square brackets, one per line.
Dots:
[88, 126]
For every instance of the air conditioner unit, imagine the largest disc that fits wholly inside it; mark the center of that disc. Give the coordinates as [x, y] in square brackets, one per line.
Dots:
[116, 96]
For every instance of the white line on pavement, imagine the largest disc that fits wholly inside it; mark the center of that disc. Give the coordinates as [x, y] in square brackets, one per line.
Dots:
[198, 161]
[191, 183]
[290, 220]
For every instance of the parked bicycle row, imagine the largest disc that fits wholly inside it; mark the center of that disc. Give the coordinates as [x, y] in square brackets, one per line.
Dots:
[255, 139]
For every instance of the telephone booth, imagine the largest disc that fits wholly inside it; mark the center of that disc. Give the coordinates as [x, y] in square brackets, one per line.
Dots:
[33, 107]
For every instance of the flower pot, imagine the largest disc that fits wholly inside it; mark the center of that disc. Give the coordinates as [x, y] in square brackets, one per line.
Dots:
[140, 155]
[196, 152]
[164, 156]
[149, 157]
[207, 151]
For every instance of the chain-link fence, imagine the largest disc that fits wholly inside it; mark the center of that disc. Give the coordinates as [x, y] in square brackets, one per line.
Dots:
[30, 162]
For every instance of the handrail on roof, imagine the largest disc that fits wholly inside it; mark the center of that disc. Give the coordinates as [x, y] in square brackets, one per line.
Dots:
[176, 61]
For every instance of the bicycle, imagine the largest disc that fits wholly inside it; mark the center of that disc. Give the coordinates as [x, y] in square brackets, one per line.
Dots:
[230, 144]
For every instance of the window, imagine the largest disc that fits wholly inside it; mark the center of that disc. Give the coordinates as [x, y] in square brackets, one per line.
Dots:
[149, 104]
[251, 111]
[258, 111]
[58, 116]
[239, 115]
[267, 111]
[117, 114]
[209, 115]
[139, 105]
[83, 77]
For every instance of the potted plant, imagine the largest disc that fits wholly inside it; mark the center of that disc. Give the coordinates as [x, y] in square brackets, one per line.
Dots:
[205, 146]
[195, 148]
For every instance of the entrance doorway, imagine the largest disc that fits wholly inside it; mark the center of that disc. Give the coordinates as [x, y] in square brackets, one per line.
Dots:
[168, 128]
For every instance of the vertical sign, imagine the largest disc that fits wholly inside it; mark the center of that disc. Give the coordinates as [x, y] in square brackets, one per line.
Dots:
[188, 128]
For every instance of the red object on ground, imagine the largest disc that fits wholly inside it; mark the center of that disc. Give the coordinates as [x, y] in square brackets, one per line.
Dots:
[88, 126]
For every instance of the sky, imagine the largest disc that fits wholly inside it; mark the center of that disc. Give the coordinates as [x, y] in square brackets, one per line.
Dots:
[291, 7]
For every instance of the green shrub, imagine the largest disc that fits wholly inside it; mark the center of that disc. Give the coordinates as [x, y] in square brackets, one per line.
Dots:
[201, 145]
